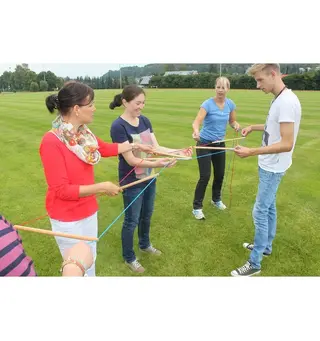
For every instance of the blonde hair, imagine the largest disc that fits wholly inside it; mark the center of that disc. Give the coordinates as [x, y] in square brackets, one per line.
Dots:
[263, 67]
[224, 81]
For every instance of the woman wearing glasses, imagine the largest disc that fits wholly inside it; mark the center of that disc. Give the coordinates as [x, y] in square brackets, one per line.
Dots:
[68, 153]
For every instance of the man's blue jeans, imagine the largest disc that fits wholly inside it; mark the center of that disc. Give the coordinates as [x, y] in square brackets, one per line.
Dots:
[138, 214]
[265, 215]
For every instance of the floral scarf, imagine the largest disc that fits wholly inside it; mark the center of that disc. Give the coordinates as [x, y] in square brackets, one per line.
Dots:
[83, 143]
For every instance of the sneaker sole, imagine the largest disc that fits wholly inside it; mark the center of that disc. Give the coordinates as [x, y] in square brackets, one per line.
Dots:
[220, 209]
[203, 218]
[134, 271]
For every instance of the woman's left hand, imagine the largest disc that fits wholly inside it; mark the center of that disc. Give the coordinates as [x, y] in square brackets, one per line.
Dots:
[236, 126]
[186, 152]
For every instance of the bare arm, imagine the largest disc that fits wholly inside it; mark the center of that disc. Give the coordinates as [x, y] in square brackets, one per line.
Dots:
[246, 131]
[134, 161]
[232, 121]
[112, 149]
[81, 253]
[257, 127]
[198, 121]
[285, 145]
[158, 148]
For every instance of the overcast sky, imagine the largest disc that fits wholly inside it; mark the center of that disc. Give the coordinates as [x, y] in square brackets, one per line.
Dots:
[70, 70]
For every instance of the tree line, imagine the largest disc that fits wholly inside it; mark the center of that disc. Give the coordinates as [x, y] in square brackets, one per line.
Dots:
[24, 79]
[230, 69]
[305, 81]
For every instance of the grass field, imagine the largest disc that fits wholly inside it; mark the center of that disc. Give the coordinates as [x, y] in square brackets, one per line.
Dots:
[191, 248]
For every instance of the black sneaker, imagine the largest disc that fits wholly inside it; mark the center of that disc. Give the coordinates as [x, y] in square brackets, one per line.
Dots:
[249, 246]
[245, 271]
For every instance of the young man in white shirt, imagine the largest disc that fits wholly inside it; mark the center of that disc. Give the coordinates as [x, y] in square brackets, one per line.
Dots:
[275, 157]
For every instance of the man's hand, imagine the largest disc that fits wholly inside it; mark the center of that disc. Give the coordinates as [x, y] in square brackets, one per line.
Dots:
[246, 131]
[243, 151]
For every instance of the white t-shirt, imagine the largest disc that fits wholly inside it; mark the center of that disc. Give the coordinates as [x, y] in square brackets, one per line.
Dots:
[285, 108]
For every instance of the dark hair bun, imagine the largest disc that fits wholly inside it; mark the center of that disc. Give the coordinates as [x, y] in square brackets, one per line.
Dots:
[112, 105]
[52, 103]
[117, 102]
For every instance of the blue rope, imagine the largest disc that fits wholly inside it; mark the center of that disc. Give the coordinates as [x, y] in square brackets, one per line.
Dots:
[118, 217]
[227, 174]
[162, 169]
[228, 168]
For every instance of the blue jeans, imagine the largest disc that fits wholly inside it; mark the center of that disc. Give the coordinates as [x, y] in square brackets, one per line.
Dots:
[265, 215]
[139, 213]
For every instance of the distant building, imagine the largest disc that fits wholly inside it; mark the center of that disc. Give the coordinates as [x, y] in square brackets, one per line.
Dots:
[181, 73]
[143, 81]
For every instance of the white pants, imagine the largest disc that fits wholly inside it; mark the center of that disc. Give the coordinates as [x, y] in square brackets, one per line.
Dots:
[84, 227]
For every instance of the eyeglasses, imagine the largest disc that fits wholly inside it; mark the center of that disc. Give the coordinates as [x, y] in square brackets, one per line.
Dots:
[86, 105]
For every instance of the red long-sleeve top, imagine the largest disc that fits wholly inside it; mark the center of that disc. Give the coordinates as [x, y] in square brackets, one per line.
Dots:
[65, 173]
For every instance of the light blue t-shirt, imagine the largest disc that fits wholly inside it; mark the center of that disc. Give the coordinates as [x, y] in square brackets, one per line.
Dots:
[215, 123]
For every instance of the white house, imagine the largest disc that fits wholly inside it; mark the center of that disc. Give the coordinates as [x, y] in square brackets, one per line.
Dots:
[181, 73]
[144, 81]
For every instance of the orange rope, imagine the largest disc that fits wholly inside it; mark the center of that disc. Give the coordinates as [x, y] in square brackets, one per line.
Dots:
[232, 172]
[67, 210]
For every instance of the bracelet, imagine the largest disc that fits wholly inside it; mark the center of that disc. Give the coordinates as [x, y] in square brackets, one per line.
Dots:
[69, 260]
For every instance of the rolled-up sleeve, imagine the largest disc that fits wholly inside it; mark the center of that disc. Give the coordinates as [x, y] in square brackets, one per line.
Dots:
[107, 149]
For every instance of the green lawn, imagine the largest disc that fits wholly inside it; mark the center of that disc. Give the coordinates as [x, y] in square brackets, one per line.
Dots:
[191, 248]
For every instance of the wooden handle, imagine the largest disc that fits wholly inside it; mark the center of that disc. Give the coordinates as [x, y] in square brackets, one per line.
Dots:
[167, 154]
[173, 158]
[218, 148]
[52, 233]
[139, 181]
[151, 158]
[237, 138]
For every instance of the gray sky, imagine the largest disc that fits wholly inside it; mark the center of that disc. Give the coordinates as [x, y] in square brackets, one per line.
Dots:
[70, 70]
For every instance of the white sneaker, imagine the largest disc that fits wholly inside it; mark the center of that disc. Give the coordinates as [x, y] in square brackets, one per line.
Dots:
[219, 204]
[245, 270]
[135, 266]
[152, 250]
[198, 214]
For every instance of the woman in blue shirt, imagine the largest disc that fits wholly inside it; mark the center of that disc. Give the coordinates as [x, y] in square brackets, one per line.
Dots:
[130, 127]
[214, 114]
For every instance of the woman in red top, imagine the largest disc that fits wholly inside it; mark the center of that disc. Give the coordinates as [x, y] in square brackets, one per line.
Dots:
[68, 153]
